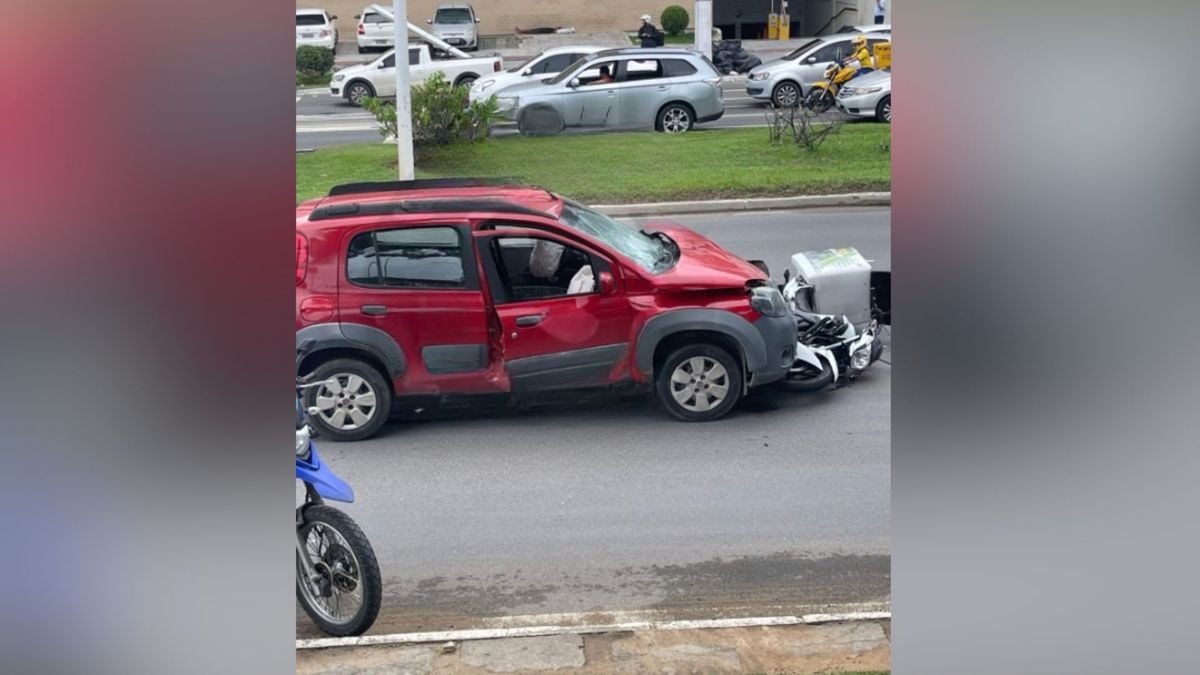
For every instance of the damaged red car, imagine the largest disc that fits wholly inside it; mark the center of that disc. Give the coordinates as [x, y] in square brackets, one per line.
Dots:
[462, 287]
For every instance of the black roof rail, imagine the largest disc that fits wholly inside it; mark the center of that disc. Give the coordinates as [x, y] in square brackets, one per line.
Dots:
[446, 205]
[421, 184]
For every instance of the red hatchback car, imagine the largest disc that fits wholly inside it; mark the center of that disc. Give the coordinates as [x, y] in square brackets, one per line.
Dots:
[447, 287]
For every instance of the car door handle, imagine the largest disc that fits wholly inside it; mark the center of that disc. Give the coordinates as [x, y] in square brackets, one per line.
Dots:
[662, 87]
[529, 320]
[373, 310]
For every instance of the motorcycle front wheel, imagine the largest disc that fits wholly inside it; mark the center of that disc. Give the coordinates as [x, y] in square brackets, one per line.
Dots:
[818, 100]
[805, 377]
[344, 597]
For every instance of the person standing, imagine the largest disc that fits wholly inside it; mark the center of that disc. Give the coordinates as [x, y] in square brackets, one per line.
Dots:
[880, 11]
[648, 34]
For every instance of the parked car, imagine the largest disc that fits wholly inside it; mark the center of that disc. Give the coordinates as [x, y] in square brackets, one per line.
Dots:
[428, 289]
[541, 67]
[315, 27]
[375, 31]
[868, 95]
[669, 90]
[455, 24]
[378, 78]
[784, 82]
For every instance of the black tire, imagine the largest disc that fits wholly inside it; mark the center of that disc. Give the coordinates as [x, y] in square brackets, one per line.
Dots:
[540, 121]
[368, 572]
[358, 90]
[808, 380]
[819, 99]
[883, 110]
[665, 387]
[786, 95]
[343, 370]
[675, 118]
[466, 80]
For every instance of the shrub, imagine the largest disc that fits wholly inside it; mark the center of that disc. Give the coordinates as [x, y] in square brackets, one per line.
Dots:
[674, 20]
[440, 114]
[310, 59]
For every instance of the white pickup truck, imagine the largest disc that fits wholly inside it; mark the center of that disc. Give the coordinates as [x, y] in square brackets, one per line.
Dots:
[378, 78]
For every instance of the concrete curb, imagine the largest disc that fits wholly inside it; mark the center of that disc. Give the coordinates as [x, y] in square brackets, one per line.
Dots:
[537, 631]
[754, 204]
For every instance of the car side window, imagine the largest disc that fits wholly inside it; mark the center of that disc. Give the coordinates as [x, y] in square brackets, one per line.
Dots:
[390, 61]
[414, 57]
[532, 268]
[418, 257]
[827, 53]
[555, 64]
[678, 68]
[592, 75]
[648, 69]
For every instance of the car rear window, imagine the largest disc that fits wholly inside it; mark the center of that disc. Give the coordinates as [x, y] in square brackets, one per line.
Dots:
[678, 68]
[374, 18]
[310, 20]
[454, 15]
[420, 257]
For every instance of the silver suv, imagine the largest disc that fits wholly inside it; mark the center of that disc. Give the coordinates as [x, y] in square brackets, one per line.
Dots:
[669, 90]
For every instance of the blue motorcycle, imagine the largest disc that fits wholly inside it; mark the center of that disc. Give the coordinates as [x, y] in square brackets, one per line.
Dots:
[337, 576]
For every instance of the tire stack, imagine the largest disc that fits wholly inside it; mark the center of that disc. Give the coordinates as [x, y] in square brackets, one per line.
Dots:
[729, 57]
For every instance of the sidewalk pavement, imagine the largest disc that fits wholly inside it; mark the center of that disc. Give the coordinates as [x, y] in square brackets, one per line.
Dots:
[859, 646]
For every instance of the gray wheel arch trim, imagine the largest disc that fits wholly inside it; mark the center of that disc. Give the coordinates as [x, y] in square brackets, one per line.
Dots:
[753, 345]
[355, 336]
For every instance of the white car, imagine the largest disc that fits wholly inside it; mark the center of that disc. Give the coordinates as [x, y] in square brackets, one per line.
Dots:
[454, 24]
[378, 78]
[375, 31]
[315, 27]
[543, 66]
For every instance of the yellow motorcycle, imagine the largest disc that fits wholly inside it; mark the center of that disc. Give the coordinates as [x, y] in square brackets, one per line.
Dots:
[821, 94]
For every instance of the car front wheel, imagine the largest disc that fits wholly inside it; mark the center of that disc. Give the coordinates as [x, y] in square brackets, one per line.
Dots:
[883, 111]
[357, 92]
[699, 383]
[353, 400]
[786, 95]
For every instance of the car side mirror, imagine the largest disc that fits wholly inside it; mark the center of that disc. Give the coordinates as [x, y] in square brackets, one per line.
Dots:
[608, 285]
[332, 17]
[429, 21]
[477, 19]
[573, 83]
[527, 72]
[358, 16]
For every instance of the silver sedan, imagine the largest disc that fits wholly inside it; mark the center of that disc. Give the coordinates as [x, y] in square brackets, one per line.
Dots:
[669, 90]
[868, 95]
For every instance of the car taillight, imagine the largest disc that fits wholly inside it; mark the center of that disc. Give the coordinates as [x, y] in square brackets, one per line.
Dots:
[301, 258]
[496, 66]
[361, 29]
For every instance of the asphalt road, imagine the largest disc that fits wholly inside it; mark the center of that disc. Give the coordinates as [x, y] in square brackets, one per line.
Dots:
[322, 121]
[607, 504]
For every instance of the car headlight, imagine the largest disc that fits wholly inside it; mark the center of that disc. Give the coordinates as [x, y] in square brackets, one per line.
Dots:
[768, 301]
[339, 77]
[303, 439]
[759, 77]
[870, 90]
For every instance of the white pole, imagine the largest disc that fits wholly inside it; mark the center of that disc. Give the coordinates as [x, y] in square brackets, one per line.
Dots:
[704, 27]
[404, 137]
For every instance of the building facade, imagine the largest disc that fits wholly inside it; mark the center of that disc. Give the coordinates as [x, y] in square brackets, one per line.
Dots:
[736, 18]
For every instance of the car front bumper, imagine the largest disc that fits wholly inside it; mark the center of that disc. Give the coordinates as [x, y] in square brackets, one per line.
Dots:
[760, 89]
[327, 42]
[860, 105]
[779, 337]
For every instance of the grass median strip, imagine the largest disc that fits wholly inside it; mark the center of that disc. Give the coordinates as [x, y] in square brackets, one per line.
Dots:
[616, 168]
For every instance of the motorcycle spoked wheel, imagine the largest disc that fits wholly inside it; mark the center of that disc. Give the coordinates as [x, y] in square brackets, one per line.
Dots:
[805, 377]
[350, 589]
[818, 100]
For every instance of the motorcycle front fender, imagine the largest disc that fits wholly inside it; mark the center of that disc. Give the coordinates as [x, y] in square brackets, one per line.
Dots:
[819, 85]
[316, 473]
[808, 355]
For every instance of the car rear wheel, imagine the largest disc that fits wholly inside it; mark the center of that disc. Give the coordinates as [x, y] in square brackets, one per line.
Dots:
[356, 92]
[883, 111]
[675, 118]
[699, 383]
[466, 81]
[786, 95]
[353, 402]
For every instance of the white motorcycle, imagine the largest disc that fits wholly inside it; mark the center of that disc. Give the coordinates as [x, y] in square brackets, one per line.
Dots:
[839, 304]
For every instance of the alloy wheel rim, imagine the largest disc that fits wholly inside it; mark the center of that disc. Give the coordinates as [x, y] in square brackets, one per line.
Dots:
[887, 111]
[700, 384]
[788, 95]
[675, 121]
[337, 565]
[346, 402]
[357, 93]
